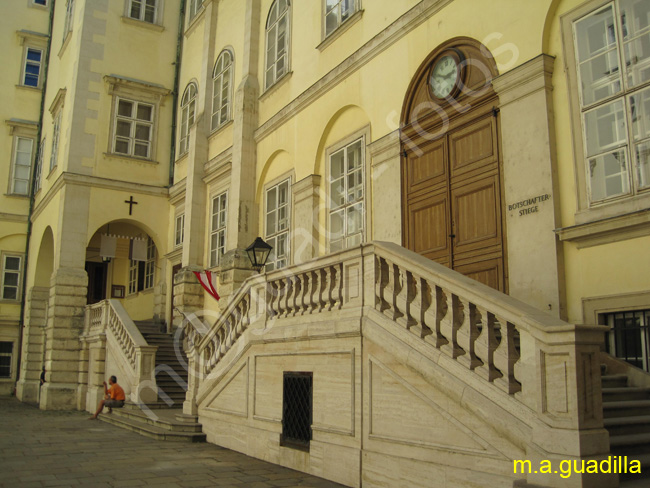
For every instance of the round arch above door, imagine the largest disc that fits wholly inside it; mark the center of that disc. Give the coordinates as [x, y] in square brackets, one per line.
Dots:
[452, 203]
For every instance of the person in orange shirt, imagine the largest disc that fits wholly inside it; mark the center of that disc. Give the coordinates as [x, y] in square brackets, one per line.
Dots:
[113, 397]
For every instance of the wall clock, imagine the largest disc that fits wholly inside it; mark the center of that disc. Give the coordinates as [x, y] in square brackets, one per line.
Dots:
[446, 75]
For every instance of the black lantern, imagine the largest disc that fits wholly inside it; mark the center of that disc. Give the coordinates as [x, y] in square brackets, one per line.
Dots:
[258, 252]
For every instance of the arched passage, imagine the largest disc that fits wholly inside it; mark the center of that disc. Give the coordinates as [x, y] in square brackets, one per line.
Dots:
[452, 208]
[45, 260]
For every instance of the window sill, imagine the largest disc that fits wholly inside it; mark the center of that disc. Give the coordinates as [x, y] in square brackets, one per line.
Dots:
[341, 29]
[39, 7]
[30, 88]
[279, 82]
[146, 291]
[65, 43]
[16, 195]
[181, 157]
[126, 157]
[52, 170]
[607, 230]
[142, 23]
[221, 128]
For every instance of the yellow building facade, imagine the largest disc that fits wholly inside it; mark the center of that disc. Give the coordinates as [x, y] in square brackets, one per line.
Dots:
[510, 144]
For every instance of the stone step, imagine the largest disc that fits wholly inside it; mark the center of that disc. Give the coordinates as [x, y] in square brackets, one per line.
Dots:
[152, 431]
[625, 393]
[151, 406]
[627, 425]
[630, 440]
[632, 408]
[163, 423]
[614, 380]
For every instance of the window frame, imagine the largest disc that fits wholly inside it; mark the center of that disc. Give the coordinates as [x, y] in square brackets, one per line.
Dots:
[588, 211]
[34, 3]
[69, 19]
[56, 135]
[11, 360]
[288, 180]
[26, 61]
[340, 23]
[185, 119]
[194, 9]
[133, 120]
[156, 15]
[360, 136]
[14, 163]
[38, 169]
[214, 258]
[220, 77]
[142, 273]
[288, 14]
[179, 230]
[19, 272]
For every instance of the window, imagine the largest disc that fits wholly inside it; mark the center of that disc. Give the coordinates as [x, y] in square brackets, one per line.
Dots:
[69, 16]
[142, 273]
[277, 225]
[179, 233]
[612, 49]
[218, 228]
[6, 352]
[40, 2]
[193, 8]
[337, 12]
[221, 93]
[628, 338]
[11, 272]
[32, 71]
[22, 165]
[144, 10]
[133, 128]
[39, 166]
[297, 401]
[346, 222]
[55, 141]
[277, 42]
[188, 111]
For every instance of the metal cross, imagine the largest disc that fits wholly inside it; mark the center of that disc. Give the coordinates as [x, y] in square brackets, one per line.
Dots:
[131, 202]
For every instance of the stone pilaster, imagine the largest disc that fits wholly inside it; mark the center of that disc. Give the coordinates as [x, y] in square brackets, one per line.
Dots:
[62, 346]
[306, 203]
[385, 188]
[27, 389]
[235, 268]
[530, 184]
[188, 293]
[160, 296]
[96, 354]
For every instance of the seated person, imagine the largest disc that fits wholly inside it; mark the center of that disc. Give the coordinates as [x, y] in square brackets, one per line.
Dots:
[113, 397]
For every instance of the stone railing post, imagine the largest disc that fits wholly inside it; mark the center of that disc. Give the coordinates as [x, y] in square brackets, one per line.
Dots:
[145, 375]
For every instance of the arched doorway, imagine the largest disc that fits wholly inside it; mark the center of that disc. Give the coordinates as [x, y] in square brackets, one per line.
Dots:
[452, 208]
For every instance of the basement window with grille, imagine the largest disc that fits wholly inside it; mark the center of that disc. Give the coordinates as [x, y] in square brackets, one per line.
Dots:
[297, 410]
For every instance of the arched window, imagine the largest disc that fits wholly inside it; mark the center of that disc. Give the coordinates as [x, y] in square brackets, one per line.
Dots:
[277, 42]
[222, 89]
[188, 112]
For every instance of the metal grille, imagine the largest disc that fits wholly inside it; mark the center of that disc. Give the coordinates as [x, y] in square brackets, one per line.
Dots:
[297, 410]
[629, 337]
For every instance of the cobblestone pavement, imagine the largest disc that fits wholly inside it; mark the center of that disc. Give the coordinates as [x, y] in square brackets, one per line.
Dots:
[46, 448]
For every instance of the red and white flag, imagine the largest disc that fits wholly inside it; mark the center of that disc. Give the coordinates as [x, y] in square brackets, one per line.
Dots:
[205, 278]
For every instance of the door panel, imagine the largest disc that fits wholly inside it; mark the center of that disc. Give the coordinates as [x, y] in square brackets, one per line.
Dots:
[473, 147]
[488, 272]
[428, 169]
[429, 229]
[476, 215]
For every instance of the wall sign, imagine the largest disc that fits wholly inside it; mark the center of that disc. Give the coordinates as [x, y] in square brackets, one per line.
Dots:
[530, 205]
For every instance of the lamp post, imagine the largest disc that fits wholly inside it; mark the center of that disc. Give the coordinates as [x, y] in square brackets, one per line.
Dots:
[258, 252]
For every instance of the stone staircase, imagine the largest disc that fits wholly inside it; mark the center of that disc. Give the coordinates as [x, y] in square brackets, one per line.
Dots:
[162, 420]
[626, 412]
[171, 376]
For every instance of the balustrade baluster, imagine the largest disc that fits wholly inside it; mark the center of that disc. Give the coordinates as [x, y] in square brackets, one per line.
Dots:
[506, 356]
[449, 327]
[313, 291]
[423, 309]
[272, 298]
[467, 334]
[296, 301]
[485, 345]
[401, 296]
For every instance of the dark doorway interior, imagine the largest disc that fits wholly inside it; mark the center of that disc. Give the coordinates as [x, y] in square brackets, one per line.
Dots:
[97, 273]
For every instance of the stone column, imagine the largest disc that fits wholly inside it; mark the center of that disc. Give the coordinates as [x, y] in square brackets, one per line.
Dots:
[530, 185]
[306, 202]
[27, 389]
[65, 323]
[96, 351]
[386, 189]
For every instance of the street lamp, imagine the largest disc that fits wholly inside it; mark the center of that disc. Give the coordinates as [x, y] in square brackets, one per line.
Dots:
[258, 252]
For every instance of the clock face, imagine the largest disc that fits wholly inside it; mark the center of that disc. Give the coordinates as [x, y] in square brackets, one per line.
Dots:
[444, 76]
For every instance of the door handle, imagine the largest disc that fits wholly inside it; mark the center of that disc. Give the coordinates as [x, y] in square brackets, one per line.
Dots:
[452, 235]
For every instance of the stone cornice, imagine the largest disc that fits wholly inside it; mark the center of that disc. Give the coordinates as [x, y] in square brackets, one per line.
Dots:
[20, 124]
[306, 187]
[530, 77]
[613, 229]
[118, 84]
[177, 192]
[58, 101]
[9, 217]
[67, 178]
[397, 30]
[218, 166]
[386, 148]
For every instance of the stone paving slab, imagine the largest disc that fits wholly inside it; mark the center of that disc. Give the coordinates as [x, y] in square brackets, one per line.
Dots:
[58, 449]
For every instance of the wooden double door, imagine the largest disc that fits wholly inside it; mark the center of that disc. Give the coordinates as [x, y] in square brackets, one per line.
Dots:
[452, 205]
